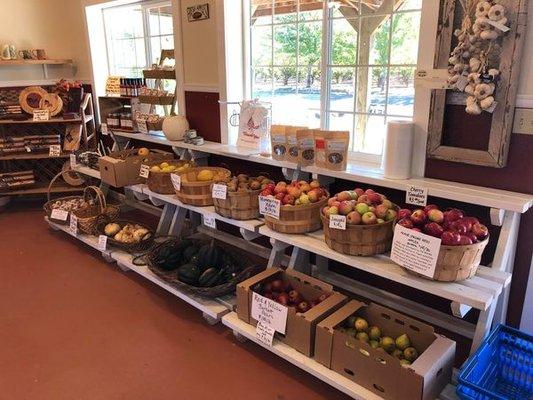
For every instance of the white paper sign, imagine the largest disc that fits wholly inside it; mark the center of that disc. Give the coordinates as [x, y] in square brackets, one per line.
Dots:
[28, 149]
[432, 78]
[415, 251]
[102, 242]
[269, 206]
[461, 83]
[141, 126]
[492, 107]
[337, 222]
[73, 224]
[269, 313]
[55, 150]
[73, 161]
[144, 171]
[264, 333]
[176, 181]
[497, 25]
[417, 196]
[41, 115]
[219, 191]
[112, 86]
[103, 128]
[60, 215]
[210, 221]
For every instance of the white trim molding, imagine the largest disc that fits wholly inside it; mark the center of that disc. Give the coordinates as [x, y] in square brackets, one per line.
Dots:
[197, 87]
[524, 101]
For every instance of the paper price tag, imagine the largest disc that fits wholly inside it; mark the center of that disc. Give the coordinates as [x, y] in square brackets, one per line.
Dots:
[73, 224]
[269, 313]
[141, 126]
[432, 78]
[264, 333]
[417, 196]
[269, 206]
[144, 171]
[73, 161]
[41, 115]
[337, 222]
[112, 86]
[60, 215]
[415, 251]
[103, 128]
[219, 191]
[461, 83]
[55, 150]
[210, 221]
[497, 25]
[102, 242]
[176, 181]
[28, 149]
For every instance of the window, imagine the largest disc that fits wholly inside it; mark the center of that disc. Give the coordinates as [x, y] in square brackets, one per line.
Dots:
[135, 35]
[361, 77]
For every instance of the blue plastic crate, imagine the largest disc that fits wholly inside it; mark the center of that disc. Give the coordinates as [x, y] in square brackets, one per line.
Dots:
[501, 368]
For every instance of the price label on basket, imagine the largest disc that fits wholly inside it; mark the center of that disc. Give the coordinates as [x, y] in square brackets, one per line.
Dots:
[176, 181]
[59, 215]
[55, 150]
[73, 224]
[337, 222]
[102, 242]
[144, 171]
[269, 313]
[417, 196]
[41, 115]
[103, 128]
[73, 161]
[219, 191]
[415, 251]
[269, 206]
[141, 126]
[210, 221]
[264, 333]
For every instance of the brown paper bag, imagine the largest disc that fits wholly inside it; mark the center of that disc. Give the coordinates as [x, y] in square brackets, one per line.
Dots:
[336, 148]
[292, 143]
[279, 142]
[306, 147]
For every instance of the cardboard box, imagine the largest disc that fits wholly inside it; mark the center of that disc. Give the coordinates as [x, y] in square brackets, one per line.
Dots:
[375, 369]
[122, 168]
[301, 327]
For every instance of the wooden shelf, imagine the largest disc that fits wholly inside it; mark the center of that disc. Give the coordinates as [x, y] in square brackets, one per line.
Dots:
[157, 100]
[54, 120]
[31, 156]
[42, 190]
[37, 62]
[87, 171]
[159, 74]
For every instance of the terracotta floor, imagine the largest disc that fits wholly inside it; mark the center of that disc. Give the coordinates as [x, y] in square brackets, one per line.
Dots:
[74, 327]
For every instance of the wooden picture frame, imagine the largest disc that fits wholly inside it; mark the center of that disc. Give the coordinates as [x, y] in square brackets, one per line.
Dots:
[501, 124]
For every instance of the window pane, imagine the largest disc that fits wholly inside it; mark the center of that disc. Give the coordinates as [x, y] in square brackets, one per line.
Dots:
[285, 44]
[401, 91]
[310, 43]
[344, 41]
[374, 38]
[260, 12]
[285, 11]
[167, 42]
[339, 121]
[155, 43]
[405, 38]
[308, 97]
[124, 22]
[410, 5]
[342, 89]
[153, 20]
[371, 131]
[140, 53]
[262, 83]
[261, 45]
[371, 90]
[165, 20]
[310, 11]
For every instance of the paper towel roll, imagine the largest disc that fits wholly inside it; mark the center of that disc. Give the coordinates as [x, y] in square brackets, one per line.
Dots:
[398, 150]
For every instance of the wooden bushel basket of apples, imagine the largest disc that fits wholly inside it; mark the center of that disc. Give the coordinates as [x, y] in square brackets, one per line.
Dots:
[463, 239]
[301, 203]
[370, 219]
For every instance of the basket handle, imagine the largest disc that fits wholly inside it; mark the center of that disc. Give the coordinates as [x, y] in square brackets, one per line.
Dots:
[99, 196]
[52, 181]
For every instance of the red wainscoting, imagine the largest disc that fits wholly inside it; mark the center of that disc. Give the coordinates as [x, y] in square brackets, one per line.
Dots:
[203, 114]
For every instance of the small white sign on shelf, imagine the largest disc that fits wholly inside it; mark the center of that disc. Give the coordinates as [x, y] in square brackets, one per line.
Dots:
[141, 126]
[219, 191]
[73, 161]
[41, 115]
[269, 313]
[73, 224]
[55, 150]
[59, 215]
[432, 78]
[103, 128]
[265, 333]
[337, 222]
[144, 171]
[210, 221]
[269, 206]
[417, 196]
[415, 251]
[28, 149]
[102, 242]
[176, 181]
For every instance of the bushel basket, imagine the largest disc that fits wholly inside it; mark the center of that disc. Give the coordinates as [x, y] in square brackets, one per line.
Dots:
[50, 205]
[298, 219]
[239, 205]
[195, 192]
[89, 216]
[160, 182]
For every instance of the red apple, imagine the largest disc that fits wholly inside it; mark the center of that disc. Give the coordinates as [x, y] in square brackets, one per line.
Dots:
[459, 227]
[381, 211]
[364, 199]
[313, 195]
[283, 299]
[294, 191]
[269, 295]
[369, 218]
[333, 210]
[375, 198]
[472, 237]
[404, 213]
[345, 207]
[288, 199]
[332, 200]
[279, 196]
[465, 240]
[435, 215]
[314, 184]
[368, 191]
[430, 207]
[277, 285]
[359, 191]
[433, 229]
[270, 186]
[453, 214]
[471, 220]
[281, 187]
[480, 230]
[344, 196]
[354, 218]
[450, 238]
[304, 186]
[418, 217]
[267, 288]
[406, 223]
[266, 192]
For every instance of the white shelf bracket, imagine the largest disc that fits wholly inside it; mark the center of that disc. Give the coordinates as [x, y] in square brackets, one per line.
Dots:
[182, 154]
[107, 257]
[199, 157]
[123, 267]
[249, 235]
[277, 254]
[324, 180]
[496, 216]
[165, 221]
[156, 201]
[294, 174]
[178, 219]
[459, 310]
[299, 260]
[210, 320]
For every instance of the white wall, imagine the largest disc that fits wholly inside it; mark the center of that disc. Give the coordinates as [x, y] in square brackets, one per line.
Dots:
[525, 87]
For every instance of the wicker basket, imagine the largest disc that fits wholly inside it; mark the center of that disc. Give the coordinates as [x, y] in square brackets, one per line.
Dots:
[48, 206]
[194, 192]
[141, 246]
[298, 219]
[160, 182]
[239, 205]
[89, 217]
[359, 240]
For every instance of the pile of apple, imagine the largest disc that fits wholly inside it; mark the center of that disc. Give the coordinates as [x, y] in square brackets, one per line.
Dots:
[452, 226]
[295, 193]
[361, 207]
[283, 293]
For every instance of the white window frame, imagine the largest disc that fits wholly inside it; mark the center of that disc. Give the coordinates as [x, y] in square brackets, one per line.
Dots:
[426, 51]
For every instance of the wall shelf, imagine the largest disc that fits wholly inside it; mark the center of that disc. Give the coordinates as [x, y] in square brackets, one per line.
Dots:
[36, 62]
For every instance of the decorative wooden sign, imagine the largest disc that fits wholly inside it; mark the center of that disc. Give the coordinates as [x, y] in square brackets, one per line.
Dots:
[447, 121]
[198, 12]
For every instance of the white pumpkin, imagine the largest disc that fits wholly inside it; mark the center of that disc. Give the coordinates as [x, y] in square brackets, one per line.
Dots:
[174, 127]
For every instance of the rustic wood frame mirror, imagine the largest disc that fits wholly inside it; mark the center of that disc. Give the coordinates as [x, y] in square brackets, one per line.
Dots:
[447, 116]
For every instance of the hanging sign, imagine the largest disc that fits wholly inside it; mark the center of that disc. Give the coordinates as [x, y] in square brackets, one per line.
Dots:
[112, 86]
[432, 78]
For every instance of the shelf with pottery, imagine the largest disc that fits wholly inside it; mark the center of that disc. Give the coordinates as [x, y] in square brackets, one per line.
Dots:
[36, 62]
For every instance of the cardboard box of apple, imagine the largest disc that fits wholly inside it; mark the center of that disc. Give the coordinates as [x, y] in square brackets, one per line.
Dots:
[300, 205]
[366, 225]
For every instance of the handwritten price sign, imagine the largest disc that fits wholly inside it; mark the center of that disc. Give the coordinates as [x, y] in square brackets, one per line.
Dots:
[269, 313]
[337, 222]
[219, 191]
[269, 206]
